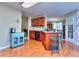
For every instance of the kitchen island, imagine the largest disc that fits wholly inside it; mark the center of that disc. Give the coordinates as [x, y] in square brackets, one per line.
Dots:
[46, 37]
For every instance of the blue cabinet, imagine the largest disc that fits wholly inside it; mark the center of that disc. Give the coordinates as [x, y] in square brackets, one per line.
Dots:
[16, 39]
[21, 39]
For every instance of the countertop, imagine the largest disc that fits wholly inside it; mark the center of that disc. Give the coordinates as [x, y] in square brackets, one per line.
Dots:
[49, 32]
[44, 31]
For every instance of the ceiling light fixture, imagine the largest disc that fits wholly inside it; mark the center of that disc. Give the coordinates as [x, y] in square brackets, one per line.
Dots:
[28, 4]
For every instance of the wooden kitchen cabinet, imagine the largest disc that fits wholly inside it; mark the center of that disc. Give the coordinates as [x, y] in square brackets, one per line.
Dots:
[49, 26]
[38, 22]
[33, 23]
[35, 35]
[45, 38]
[32, 34]
[42, 35]
[46, 41]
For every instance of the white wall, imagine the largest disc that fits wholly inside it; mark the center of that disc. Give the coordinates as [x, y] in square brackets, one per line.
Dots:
[71, 19]
[9, 17]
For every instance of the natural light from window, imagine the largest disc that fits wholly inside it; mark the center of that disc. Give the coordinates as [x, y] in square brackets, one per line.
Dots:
[58, 25]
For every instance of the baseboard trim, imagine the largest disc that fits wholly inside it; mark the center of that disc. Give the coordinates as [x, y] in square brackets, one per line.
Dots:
[1, 48]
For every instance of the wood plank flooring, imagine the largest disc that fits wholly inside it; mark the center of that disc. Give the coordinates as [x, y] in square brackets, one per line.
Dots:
[36, 49]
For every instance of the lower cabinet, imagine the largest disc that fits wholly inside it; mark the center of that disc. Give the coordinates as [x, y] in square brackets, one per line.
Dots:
[41, 36]
[35, 35]
[45, 40]
[49, 40]
[16, 39]
[32, 35]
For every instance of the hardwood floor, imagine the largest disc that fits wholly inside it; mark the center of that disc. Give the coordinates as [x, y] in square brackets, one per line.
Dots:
[36, 49]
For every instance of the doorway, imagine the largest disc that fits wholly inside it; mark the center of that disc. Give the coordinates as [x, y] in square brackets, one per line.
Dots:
[25, 26]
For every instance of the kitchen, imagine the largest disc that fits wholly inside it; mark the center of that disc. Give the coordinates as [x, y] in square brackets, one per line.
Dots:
[49, 27]
[53, 26]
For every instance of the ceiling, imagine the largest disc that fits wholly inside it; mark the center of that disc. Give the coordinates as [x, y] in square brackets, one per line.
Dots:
[46, 8]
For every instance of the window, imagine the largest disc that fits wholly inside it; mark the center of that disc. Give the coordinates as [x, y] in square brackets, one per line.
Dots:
[58, 25]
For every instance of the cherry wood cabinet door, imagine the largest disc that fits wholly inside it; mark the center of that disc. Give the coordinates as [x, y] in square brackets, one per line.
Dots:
[42, 35]
[49, 26]
[33, 23]
[42, 22]
[38, 22]
[32, 34]
[46, 40]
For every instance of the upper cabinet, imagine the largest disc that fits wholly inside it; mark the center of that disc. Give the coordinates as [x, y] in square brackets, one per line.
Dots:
[38, 22]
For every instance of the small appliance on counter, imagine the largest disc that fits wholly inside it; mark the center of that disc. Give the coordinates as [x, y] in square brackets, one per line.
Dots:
[16, 39]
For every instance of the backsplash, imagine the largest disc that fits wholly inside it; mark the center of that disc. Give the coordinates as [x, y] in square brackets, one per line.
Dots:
[37, 28]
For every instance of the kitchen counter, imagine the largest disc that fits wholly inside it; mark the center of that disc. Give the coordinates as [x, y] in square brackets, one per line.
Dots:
[49, 32]
[44, 36]
[36, 30]
[44, 31]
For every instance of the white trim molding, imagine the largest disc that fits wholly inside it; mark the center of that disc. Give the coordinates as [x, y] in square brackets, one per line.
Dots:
[1, 48]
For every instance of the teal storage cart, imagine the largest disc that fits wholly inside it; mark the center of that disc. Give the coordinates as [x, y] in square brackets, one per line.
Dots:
[16, 39]
[54, 42]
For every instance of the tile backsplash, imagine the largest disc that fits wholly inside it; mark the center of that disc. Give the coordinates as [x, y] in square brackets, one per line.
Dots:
[37, 28]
